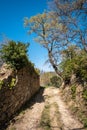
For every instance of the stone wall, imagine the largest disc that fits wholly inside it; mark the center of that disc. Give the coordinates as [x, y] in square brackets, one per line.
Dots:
[14, 95]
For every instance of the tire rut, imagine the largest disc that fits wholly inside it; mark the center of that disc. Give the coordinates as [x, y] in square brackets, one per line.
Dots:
[56, 123]
[68, 120]
[46, 104]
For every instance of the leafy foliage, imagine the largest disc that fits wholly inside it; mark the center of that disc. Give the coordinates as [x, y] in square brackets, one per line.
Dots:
[74, 64]
[55, 81]
[15, 54]
[12, 83]
[67, 67]
[80, 67]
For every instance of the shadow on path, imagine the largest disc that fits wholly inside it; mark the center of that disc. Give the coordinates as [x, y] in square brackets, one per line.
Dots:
[37, 98]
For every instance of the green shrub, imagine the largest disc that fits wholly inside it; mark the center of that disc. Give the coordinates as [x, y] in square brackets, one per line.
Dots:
[12, 83]
[67, 67]
[80, 66]
[55, 81]
[74, 62]
[15, 54]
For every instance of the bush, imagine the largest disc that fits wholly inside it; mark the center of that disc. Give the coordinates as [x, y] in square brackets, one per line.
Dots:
[67, 67]
[81, 68]
[15, 54]
[12, 83]
[55, 81]
[76, 65]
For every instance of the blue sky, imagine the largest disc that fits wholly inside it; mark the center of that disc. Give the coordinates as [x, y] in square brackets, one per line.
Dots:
[12, 13]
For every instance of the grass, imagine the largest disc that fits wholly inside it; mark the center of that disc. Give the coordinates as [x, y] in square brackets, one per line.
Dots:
[83, 118]
[58, 116]
[80, 114]
[45, 118]
[73, 91]
[85, 121]
[85, 95]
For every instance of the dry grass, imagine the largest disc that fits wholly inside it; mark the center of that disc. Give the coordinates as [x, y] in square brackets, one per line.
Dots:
[45, 118]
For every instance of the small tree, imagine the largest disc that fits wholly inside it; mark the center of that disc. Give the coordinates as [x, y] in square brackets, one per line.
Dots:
[15, 54]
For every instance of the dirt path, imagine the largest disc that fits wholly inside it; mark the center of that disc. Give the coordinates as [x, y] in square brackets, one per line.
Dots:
[68, 120]
[29, 118]
[46, 111]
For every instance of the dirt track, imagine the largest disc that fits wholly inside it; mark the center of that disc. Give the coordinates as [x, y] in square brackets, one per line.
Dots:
[46, 111]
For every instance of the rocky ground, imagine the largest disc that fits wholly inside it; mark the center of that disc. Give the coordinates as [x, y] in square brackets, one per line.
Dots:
[45, 111]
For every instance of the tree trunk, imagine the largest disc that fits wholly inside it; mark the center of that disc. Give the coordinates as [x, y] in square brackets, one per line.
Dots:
[54, 65]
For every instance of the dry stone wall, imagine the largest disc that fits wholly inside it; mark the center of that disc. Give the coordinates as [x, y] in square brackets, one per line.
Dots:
[12, 97]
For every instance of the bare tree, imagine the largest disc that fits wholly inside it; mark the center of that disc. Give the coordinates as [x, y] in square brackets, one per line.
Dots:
[50, 34]
[73, 15]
